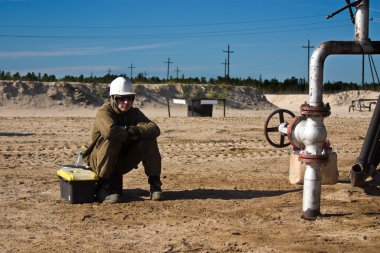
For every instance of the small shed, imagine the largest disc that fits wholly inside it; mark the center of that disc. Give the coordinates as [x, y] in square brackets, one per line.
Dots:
[199, 107]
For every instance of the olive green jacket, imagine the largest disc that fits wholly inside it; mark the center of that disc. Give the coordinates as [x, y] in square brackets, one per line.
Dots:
[111, 123]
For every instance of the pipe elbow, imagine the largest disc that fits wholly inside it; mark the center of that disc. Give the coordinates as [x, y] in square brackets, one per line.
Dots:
[320, 53]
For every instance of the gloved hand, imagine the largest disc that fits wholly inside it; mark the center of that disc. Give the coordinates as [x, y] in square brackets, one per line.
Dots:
[134, 133]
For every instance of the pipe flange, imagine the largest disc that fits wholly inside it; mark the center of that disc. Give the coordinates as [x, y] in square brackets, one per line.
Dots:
[322, 111]
[292, 125]
[308, 159]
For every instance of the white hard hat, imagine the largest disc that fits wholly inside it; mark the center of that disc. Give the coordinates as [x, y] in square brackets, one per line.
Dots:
[121, 86]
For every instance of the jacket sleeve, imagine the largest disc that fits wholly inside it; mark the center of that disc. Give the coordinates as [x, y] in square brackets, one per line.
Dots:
[108, 127]
[148, 129]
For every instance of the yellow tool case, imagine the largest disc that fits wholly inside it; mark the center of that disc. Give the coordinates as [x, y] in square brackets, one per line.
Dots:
[77, 185]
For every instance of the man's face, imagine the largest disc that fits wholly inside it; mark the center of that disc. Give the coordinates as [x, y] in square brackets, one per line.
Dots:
[124, 103]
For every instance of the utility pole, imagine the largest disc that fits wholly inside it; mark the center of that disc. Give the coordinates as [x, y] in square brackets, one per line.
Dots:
[177, 70]
[362, 70]
[228, 61]
[109, 71]
[225, 68]
[167, 73]
[131, 67]
[308, 59]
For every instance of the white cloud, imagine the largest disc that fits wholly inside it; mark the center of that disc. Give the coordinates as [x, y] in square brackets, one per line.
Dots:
[77, 51]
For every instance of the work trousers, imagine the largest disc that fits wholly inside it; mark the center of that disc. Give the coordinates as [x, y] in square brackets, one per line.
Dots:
[112, 158]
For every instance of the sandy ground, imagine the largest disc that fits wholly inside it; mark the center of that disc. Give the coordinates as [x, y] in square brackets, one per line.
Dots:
[226, 189]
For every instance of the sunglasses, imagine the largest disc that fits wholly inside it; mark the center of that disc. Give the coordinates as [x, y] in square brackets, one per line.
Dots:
[125, 98]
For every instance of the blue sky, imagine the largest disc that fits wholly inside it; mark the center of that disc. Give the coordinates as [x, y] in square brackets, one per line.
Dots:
[73, 37]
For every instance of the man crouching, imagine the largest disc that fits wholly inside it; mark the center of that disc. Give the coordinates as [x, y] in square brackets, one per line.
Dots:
[122, 137]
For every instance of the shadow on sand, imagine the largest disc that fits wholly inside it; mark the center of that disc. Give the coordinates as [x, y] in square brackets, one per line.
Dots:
[15, 134]
[139, 194]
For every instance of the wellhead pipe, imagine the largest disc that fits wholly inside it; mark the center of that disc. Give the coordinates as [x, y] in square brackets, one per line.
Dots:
[316, 110]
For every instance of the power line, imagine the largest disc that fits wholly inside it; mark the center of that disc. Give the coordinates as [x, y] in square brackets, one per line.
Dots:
[162, 26]
[221, 33]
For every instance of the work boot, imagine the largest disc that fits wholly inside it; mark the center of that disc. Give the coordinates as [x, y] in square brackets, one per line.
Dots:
[107, 194]
[155, 188]
[108, 197]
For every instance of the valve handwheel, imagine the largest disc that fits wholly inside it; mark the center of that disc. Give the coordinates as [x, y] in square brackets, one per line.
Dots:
[281, 114]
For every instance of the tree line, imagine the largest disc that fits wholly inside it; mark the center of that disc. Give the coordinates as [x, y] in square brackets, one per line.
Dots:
[272, 86]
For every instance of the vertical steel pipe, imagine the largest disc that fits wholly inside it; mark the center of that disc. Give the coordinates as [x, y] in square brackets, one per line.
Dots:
[312, 192]
[312, 134]
[362, 22]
